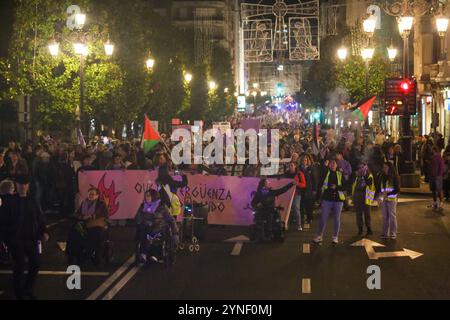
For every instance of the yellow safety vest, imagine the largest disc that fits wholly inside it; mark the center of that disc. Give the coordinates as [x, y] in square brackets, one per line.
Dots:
[339, 179]
[370, 191]
[388, 188]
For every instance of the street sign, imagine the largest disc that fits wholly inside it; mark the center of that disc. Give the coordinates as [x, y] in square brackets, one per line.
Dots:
[394, 90]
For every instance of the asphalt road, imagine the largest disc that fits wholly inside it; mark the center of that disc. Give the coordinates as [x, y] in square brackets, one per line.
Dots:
[295, 269]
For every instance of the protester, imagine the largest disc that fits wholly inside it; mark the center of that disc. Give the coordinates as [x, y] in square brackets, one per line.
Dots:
[264, 202]
[300, 183]
[436, 176]
[309, 192]
[333, 198]
[363, 191]
[94, 213]
[388, 190]
[24, 229]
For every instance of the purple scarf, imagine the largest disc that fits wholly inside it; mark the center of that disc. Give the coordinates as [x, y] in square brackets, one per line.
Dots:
[150, 207]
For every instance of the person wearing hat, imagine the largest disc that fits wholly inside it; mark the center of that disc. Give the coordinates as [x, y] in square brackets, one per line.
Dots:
[24, 229]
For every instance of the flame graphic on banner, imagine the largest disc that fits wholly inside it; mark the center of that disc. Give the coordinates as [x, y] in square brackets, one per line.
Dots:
[109, 196]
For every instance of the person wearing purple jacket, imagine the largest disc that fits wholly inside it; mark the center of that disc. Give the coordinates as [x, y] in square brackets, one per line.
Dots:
[436, 178]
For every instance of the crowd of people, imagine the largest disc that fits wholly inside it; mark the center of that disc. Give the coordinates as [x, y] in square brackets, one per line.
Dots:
[328, 167]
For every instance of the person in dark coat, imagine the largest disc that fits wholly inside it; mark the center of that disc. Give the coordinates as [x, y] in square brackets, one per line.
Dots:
[264, 202]
[164, 179]
[24, 229]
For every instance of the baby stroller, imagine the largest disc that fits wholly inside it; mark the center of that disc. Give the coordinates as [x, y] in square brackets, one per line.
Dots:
[260, 231]
[79, 248]
[155, 245]
[193, 226]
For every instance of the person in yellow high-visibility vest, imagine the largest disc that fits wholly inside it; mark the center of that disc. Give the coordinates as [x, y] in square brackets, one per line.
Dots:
[332, 201]
[388, 189]
[363, 191]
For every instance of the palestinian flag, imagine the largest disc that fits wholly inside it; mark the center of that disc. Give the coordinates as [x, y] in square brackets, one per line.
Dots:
[316, 134]
[150, 137]
[363, 107]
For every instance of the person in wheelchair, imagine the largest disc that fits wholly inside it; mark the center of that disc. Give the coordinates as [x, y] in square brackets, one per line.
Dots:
[263, 203]
[90, 231]
[154, 221]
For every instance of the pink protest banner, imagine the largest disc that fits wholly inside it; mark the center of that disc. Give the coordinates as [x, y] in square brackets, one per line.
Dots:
[228, 198]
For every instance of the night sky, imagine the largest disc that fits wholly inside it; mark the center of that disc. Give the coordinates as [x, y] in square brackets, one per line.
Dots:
[6, 15]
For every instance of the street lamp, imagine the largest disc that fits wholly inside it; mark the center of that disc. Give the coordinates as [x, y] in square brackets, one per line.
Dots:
[150, 63]
[369, 25]
[80, 19]
[255, 85]
[441, 26]
[188, 77]
[80, 49]
[109, 48]
[53, 47]
[225, 90]
[342, 53]
[392, 53]
[405, 24]
[367, 53]
[212, 85]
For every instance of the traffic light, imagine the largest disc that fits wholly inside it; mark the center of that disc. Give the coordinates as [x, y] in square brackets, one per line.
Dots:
[397, 91]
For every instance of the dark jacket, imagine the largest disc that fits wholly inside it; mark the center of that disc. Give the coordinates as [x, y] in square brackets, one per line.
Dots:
[268, 200]
[166, 179]
[310, 190]
[100, 215]
[22, 219]
[158, 220]
[333, 194]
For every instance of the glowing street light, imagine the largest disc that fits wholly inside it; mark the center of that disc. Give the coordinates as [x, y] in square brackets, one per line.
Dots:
[392, 52]
[255, 85]
[53, 47]
[212, 85]
[367, 53]
[109, 48]
[150, 63]
[80, 19]
[441, 25]
[369, 25]
[405, 25]
[342, 53]
[188, 77]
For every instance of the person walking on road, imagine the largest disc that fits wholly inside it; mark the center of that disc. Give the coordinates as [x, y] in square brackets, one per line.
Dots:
[388, 190]
[436, 178]
[24, 229]
[363, 191]
[333, 198]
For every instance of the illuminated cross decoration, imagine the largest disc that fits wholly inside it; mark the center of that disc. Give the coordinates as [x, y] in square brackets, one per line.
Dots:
[294, 35]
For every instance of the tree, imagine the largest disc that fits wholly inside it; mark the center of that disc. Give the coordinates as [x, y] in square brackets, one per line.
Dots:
[350, 75]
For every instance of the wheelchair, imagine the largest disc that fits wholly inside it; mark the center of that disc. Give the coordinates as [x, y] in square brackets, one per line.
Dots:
[79, 248]
[260, 231]
[155, 245]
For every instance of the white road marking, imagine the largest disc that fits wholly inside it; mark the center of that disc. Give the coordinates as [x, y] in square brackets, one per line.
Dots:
[122, 283]
[373, 255]
[60, 273]
[306, 248]
[236, 249]
[104, 286]
[306, 285]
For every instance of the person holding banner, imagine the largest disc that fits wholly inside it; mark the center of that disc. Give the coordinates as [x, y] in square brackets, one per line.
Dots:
[333, 198]
[264, 203]
[168, 188]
